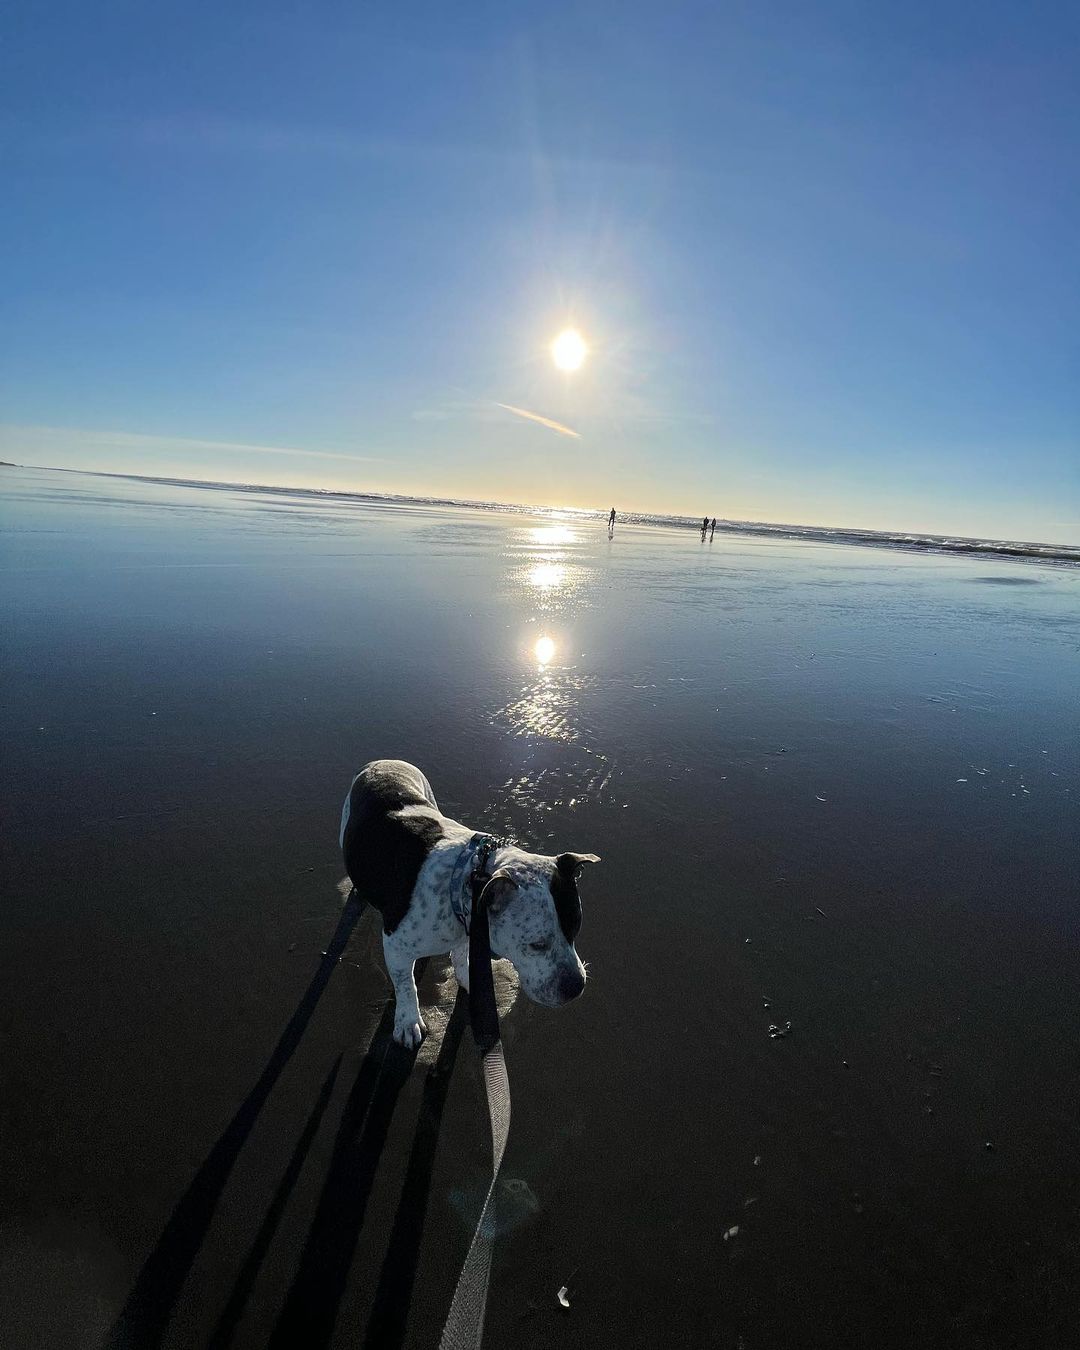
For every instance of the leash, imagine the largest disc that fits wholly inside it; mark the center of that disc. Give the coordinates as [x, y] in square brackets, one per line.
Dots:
[464, 1328]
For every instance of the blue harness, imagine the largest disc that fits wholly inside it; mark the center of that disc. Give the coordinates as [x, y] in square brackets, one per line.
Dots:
[469, 875]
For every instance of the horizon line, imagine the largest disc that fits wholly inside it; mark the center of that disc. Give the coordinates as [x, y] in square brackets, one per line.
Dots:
[1051, 552]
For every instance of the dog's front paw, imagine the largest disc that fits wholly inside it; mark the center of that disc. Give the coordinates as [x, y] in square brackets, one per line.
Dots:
[410, 1034]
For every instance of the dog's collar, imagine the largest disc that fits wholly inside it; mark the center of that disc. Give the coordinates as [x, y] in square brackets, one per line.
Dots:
[470, 875]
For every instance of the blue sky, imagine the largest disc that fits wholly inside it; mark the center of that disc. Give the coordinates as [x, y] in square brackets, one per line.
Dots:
[825, 255]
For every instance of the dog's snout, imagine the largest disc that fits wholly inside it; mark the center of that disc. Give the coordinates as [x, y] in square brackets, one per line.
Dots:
[571, 985]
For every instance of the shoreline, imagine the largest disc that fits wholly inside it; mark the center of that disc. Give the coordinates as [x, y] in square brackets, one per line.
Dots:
[918, 542]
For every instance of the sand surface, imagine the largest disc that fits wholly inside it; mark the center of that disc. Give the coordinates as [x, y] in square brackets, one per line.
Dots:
[830, 785]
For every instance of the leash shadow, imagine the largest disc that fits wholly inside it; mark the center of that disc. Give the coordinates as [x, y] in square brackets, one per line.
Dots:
[145, 1316]
[393, 1297]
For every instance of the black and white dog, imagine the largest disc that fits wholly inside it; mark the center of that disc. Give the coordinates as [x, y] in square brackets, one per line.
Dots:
[417, 868]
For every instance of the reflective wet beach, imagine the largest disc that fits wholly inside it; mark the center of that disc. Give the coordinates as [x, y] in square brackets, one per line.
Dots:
[829, 785]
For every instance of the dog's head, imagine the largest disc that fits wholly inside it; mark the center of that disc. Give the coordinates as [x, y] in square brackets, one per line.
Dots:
[534, 914]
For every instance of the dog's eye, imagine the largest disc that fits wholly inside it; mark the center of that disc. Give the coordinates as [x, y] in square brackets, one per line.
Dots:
[540, 946]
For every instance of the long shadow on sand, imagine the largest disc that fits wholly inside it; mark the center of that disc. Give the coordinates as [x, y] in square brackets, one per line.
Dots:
[393, 1298]
[142, 1321]
[233, 1311]
[311, 1305]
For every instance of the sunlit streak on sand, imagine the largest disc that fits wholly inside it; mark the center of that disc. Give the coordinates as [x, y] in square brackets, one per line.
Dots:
[548, 705]
[438, 995]
[546, 712]
[547, 576]
[552, 536]
[547, 567]
[437, 1013]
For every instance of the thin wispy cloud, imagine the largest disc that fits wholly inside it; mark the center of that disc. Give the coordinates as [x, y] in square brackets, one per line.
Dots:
[548, 422]
[22, 440]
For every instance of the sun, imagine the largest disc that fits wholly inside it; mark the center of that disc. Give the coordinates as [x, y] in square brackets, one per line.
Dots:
[544, 650]
[569, 350]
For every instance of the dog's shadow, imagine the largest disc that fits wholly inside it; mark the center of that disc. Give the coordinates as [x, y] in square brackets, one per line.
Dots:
[393, 1296]
[310, 1310]
[311, 1304]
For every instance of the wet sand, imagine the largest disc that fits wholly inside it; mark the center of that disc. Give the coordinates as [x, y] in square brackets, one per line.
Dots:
[838, 782]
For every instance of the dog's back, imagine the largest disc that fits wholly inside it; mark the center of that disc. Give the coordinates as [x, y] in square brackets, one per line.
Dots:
[389, 824]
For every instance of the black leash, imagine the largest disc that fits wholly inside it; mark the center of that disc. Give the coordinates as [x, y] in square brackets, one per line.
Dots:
[464, 1328]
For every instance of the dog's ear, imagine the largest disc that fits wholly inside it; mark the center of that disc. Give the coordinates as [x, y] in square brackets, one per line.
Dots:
[497, 892]
[570, 864]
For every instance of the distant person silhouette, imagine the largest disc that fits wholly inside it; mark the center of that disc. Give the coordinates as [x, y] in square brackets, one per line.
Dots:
[611, 521]
[704, 526]
[712, 529]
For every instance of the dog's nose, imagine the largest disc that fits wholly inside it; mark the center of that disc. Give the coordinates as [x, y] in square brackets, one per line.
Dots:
[571, 985]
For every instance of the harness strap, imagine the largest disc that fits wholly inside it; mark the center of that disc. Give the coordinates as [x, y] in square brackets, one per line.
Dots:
[469, 874]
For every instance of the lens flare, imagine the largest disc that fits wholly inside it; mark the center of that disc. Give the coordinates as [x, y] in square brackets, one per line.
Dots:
[544, 650]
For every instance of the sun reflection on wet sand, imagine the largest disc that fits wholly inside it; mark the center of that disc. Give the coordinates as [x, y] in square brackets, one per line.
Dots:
[545, 707]
[547, 576]
[552, 536]
[549, 570]
[546, 564]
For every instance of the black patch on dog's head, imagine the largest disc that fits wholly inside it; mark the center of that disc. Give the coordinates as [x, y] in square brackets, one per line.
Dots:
[565, 894]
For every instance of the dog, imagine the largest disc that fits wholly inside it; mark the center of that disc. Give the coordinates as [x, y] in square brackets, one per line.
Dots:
[418, 868]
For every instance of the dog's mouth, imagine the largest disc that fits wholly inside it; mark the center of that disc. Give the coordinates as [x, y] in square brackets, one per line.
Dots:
[564, 992]
[547, 1000]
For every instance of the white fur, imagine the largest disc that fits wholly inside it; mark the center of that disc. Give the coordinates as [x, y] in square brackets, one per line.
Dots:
[521, 920]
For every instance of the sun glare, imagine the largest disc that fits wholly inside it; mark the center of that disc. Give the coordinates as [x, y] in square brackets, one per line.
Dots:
[552, 535]
[569, 351]
[546, 576]
[544, 650]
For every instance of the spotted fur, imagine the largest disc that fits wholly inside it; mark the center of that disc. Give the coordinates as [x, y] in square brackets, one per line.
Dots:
[533, 904]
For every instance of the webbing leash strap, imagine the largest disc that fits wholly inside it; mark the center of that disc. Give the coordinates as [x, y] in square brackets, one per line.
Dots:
[464, 1329]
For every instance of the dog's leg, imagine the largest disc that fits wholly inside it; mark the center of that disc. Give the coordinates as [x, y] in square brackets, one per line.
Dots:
[409, 1026]
[459, 954]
